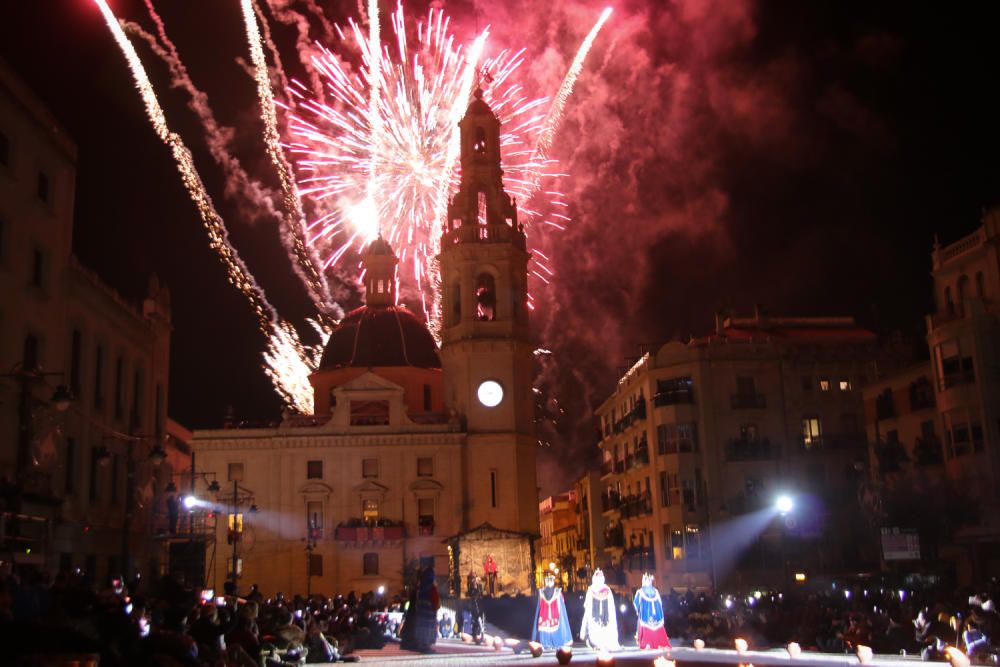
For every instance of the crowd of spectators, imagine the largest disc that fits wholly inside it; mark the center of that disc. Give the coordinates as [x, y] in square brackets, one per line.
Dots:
[838, 619]
[162, 622]
[165, 623]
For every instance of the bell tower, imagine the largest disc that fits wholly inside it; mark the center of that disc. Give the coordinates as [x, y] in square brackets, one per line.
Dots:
[486, 352]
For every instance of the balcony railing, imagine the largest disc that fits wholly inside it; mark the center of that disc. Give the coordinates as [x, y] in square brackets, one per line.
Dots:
[760, 449]
[610, 501]
[639, 458]
[636, 506]
[673, 397]
[357, 531]
[747, 401]
[607, 467]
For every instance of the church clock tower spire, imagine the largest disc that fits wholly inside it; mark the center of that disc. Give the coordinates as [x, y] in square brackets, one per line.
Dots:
[486, 352]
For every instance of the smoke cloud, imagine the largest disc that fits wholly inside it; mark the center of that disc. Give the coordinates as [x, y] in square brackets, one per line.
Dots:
[675, 103]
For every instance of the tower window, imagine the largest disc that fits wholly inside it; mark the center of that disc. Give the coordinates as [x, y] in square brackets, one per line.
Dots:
[74, 360]
[42, 186]
[37, 276]
[427, 398]
[456, 302]
[479, 146]
[486, 298]
[481, 212]
[493, 488]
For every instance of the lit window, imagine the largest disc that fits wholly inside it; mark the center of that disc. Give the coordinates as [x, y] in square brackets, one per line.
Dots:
[370, 510]
[824, 384]
[677, 544]
[811, 431]
[314, 519]
[845, 385]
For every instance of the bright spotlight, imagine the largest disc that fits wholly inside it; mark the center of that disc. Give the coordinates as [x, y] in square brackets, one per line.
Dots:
[381, 590]
[784, 504]
[190, 502]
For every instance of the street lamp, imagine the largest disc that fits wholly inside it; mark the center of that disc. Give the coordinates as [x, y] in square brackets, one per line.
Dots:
[784, 504]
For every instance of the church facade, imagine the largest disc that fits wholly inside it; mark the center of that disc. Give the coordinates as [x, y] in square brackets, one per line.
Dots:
[416, 455]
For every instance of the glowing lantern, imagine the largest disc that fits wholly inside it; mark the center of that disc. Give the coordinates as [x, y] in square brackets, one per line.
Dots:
[741, 645]
[536, 649]
[699, 644]
[956, 657]
[864, 654]
[564, 655]
[794, 650]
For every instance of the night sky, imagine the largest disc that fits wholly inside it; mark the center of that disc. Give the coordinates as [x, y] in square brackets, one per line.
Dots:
[800, 155]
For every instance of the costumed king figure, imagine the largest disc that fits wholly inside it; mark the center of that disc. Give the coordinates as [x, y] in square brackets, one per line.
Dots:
[551, 628]
[649, 612]
[420, 622]
[600, 619]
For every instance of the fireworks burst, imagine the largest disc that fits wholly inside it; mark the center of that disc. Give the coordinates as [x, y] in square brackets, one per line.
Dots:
[374, 150]
[380, 155]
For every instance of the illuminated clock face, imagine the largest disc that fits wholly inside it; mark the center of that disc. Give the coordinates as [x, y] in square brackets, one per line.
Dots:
[490, 393]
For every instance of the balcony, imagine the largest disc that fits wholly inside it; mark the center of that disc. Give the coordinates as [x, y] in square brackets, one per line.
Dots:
[830, 443]
[639, 559]
[760, 449]
[636, 506]
[639, 458]
[614, 537]
[610, 501]
[637, 414]
[747, 401]
[357, 531]
[607, 467]
[678, 396]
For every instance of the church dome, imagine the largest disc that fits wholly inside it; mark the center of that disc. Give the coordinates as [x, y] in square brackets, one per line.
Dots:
[370, 337]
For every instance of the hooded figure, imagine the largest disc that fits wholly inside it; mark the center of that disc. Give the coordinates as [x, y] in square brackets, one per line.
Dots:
[551, 628]
[600, 621]
[420, 622]
[649, 612]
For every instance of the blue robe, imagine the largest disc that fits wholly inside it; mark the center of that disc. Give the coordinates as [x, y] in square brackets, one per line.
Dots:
[551, 626]
[650, 632]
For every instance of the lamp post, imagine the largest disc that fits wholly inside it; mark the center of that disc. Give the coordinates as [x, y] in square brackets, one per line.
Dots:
[157, 455]
[784, 504]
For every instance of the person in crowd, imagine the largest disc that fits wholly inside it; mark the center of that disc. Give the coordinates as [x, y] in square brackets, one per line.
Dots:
[600, 617]
[551, 626]
[420, 623]
[648, 606]
[490, 570]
